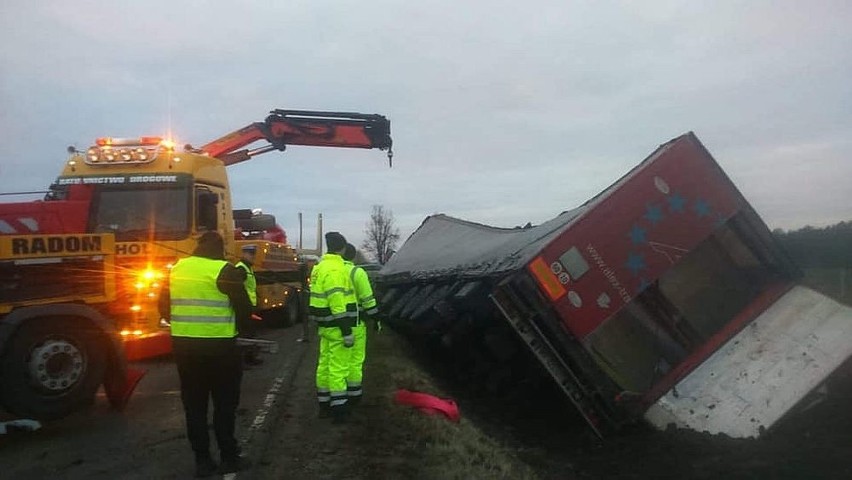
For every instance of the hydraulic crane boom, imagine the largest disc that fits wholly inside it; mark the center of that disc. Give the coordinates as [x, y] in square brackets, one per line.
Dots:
[301, 127]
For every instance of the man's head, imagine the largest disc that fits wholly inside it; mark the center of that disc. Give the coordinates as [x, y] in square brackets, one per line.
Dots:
[210, 245]
[349, 252]
[335, 242]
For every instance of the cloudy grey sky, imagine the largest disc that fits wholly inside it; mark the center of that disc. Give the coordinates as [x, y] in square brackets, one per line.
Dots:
[502, 112]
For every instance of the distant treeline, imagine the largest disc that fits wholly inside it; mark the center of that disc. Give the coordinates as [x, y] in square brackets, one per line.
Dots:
[827, 247]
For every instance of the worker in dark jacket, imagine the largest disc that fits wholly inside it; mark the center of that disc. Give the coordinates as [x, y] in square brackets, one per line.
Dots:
[206, 303]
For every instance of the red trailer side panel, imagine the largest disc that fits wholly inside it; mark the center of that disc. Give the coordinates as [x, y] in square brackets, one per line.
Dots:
[634, 232]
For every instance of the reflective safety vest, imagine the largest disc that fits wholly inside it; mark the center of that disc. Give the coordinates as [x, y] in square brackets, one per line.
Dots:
[198, 308]
[333, 302]
[250, 283]
[363, 289]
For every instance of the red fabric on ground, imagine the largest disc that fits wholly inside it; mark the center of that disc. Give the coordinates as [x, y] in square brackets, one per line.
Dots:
[428, 404]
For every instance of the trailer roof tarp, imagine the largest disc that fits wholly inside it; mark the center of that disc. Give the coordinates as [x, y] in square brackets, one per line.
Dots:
[448, 246]
[445, 246]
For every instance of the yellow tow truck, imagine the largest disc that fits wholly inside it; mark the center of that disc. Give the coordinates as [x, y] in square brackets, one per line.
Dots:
[145, 202]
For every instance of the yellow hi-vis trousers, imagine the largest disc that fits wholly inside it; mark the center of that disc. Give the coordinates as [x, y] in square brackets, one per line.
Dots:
[356, 361]
[332, 367]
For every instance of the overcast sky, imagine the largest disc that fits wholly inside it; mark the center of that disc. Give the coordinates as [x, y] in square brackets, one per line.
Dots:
[503, 112]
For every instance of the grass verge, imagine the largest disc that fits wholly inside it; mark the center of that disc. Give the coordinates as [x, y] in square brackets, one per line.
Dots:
[421, 445]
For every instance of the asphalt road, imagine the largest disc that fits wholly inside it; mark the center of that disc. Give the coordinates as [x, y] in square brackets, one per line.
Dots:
[147, 440]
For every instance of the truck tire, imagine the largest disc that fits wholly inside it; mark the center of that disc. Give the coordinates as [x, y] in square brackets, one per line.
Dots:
[52, 367]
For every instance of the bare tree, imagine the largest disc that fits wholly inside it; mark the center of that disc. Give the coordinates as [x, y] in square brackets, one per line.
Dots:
[382, 234]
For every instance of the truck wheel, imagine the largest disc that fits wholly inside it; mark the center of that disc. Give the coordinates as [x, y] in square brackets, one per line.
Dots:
[52, 367]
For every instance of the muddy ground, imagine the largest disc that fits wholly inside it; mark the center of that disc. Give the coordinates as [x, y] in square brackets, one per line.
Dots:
[812, 443]
[527, 433]
[533, 434]
[382, 439]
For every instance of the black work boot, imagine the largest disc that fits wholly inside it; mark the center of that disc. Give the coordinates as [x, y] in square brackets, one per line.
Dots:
[204, 466]
[234, 464]
[324, 410]
[339, 414]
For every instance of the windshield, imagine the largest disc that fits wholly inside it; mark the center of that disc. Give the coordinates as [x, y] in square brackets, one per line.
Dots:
[132, 214]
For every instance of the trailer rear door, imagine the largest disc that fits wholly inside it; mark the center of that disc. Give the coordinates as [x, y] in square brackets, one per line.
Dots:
[761, 373]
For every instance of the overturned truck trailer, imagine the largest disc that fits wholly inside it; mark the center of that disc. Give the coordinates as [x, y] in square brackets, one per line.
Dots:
[663, 298]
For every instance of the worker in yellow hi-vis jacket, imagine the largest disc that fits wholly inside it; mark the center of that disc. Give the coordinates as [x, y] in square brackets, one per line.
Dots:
[251, 355]
[333, 307]
[207, 305]
[367, 308]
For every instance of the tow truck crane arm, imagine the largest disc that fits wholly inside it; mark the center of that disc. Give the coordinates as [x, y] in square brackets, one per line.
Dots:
[302, 127]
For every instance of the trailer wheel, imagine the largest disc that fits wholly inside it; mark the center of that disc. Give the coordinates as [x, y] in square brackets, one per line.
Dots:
[51, 368]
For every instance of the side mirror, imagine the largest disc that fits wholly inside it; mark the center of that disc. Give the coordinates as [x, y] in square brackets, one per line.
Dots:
[208, 215]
